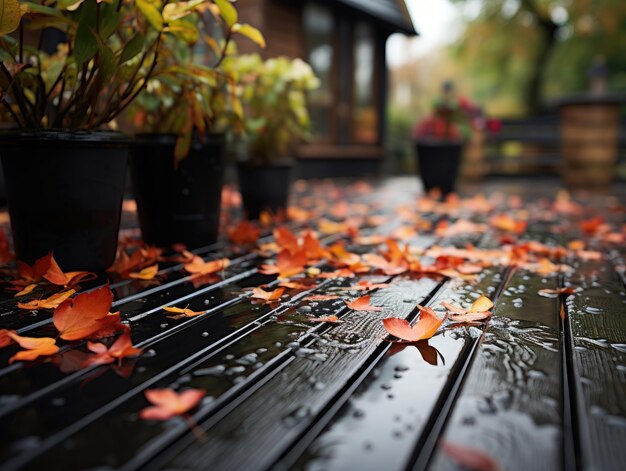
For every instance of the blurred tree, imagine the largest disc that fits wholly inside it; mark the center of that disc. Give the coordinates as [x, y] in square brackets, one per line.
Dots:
[521, 52]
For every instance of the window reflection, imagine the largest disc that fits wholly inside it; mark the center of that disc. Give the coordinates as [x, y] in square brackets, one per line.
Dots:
[318, 25]
[365, 115]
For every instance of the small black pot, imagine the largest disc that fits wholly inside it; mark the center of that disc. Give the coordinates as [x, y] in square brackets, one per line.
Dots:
[439, 164]
[64, 192]
[264, 187]
[178, 203]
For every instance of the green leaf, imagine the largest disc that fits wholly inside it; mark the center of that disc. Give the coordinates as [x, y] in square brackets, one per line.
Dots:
[227, 12]
[151, 13]
[10, 16]
[86, 42]
[109, 19]
[108, 64]
[184, 30]
[44, 10]
[132, 47]
[250, 32]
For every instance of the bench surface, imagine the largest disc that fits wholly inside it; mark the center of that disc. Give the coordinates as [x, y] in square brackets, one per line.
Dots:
[540, 385]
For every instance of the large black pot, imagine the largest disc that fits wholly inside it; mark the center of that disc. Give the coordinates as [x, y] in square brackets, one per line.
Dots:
[264, 187]
[64, 192]
[439, 164]
[178, 202]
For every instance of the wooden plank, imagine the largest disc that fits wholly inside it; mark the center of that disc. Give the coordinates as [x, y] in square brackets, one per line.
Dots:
[510, 406]
[596, 336]
[382, 420]
[255, 433]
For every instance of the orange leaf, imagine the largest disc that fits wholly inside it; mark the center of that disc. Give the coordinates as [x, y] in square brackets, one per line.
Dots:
[35, 347]
[259, 293]
[5, 338]
[306, 283]
[183, 312]
[470, 458]
[330, 319]
[27, 290]
[55, 275]
[198, 267]
[321, 297]
[368, 285]
[312, 247]
[478, 311]
[82, 316]
[121, 348]
[287, 264]
[508, 224]
[146, 274]
[244, 233]
[286, 239]
[553, 293]
[381, 263]
[168, 403]
[49, 303]
[362, 304]
[424, 328]
[341, 273]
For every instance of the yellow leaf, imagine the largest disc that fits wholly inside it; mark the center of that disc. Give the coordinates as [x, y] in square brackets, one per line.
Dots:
[250, 32]
[10, 15]
[227, 12]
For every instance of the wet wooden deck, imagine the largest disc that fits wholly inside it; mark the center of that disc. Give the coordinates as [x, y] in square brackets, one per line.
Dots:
[541, 385]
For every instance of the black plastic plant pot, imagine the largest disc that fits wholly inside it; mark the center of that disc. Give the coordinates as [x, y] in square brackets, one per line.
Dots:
[439, 164]
[264, 188]
[178, 203]
[64, 193]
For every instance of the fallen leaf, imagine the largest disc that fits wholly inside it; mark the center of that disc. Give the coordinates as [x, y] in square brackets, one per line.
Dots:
[244, 233]
[49, 303]
[260, 293]
[55, 275]
[387, 267]
[5, 338]
[554, 293]
[35, 347]
[27, 290]
[287, 264]
[506, 223]
[478, 311]
[286, 239]
[341, 273]
[424, 328]
[321, 297]
[198, 267]
[184, 312]
[368, 285]
[147, 273]
[469, 458]
[363, 304]
[121, 348]
[168, 403]
[83, 316]
[331, 319]
[304, 283]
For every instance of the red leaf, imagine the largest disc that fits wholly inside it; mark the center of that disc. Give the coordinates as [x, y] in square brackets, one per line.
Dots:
[121, 348]
[168, 403]
[84, 315]
[198, 267]
[362, 304]
[244, 233]
[470, 458]
[424, 328]
[287, 264]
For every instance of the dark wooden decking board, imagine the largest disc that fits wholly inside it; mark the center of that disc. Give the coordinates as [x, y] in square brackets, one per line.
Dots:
[596, 335]
[394, 405]
[510, 406]
[254, 434]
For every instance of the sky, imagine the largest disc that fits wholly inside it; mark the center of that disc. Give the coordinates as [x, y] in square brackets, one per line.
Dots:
[437, 22]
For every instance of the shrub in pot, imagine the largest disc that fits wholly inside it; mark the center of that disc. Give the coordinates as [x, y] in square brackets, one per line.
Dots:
[274, 93]
[64, 175]
[439, 139]
[177, 159]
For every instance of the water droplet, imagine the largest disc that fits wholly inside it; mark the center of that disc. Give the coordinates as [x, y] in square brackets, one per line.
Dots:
[214, 370]
[385, 386]
[229, 356]
[401, 368]
[149, 353]
[620, 347]
[58, 401]
[205, 334]
[593, 310]
[249, 359]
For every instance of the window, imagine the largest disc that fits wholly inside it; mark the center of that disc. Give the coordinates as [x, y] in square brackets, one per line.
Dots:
[318, 26]
[365, 112]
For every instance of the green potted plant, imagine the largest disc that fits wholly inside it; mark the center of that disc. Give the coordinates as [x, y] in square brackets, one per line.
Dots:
[177, 158]
[68, 69]
[440, 138]
[274, 93]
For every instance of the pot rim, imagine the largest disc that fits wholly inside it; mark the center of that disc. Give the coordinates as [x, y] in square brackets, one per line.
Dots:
[68, 137]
